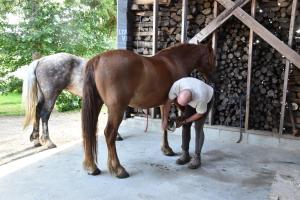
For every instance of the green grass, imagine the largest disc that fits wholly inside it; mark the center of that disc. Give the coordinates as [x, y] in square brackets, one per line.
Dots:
[10, 105]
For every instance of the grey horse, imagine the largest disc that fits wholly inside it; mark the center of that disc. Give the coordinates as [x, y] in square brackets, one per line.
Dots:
[46, 78]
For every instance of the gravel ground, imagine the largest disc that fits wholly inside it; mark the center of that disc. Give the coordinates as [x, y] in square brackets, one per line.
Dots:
[14, 141]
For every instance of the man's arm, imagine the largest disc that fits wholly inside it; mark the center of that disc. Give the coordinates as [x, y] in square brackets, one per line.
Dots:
[192, 118]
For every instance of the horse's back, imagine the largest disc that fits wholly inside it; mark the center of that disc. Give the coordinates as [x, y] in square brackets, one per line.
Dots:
[140, 81]
[58, 71]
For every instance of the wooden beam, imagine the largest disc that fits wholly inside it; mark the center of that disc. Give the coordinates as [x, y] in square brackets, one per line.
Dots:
[184, 20]
[215, 23]
[287, 66]
[144, 2]
[253, 5]
[214, 46]
[155, 27]
[277, 44]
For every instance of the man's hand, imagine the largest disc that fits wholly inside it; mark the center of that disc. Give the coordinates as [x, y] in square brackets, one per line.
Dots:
[180, 121]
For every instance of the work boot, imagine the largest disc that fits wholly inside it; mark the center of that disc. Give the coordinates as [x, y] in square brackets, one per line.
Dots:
[195, 162]
[184, 158]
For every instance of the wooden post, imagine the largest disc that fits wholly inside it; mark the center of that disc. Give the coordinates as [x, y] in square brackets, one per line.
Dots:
[154, 38]
[287, 66]
[214, 46]
[155, 26]
[184, 20]
[253, 5]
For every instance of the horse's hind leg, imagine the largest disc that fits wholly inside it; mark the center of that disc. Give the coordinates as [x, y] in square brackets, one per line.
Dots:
[34, 137]
[45, 115]
[115, 115]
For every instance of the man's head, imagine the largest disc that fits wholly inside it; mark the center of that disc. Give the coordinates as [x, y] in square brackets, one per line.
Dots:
[184, 97]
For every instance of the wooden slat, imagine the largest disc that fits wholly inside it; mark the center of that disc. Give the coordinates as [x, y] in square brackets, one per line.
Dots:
[277, 44]
[287, 66]
[214, 45]
[155, 27]
[253, 5]
[215, 23]
[144, 2]
[184, 20]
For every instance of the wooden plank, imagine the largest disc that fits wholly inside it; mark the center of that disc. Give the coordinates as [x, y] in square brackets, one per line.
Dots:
[214, 46]
[144, 2]
[184, 20]
[287, 66]
[253, 5]
[277, 44]
[155, 27]
[215, 23]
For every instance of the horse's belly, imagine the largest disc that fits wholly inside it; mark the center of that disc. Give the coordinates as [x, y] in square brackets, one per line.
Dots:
[147, 101]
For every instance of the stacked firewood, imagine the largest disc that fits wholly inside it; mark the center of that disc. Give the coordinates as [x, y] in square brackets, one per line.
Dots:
[232, 56]
[169, 23]
[268, 66]
[294, 87]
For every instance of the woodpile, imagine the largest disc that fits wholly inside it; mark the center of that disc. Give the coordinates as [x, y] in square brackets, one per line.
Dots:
[268, 66]
[294, 88]
[232, 57]
[169, 23]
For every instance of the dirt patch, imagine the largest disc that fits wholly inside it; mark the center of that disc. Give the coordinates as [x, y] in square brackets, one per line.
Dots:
[14, 141]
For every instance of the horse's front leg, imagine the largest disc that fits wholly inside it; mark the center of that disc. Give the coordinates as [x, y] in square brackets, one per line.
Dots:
[115, 116]
[165, 148]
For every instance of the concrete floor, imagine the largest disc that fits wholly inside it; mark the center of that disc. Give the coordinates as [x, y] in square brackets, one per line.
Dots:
[229, 171]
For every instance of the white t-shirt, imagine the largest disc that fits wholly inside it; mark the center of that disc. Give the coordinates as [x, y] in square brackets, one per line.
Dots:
[201, 92]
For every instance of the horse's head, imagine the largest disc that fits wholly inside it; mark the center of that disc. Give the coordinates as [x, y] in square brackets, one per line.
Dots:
[206, 63]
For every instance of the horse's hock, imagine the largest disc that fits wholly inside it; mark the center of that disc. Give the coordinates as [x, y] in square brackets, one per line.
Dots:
[250, 71]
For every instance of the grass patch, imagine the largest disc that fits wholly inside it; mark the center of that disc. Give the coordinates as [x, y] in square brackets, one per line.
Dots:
[10, 105]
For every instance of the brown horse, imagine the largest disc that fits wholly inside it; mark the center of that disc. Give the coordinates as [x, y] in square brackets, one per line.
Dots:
[120, 78]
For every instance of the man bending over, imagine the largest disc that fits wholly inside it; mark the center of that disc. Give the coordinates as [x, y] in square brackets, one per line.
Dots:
[195, 99]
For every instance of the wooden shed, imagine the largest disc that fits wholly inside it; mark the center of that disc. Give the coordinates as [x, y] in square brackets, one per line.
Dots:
[257, 44]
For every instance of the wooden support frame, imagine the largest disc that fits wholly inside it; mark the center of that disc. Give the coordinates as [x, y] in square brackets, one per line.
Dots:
[217, 22]
[155, 27]
[167, 2]
[287, 66]
[251, 34]
[266, 35]
[214, 46]
[184, 21]
[154, 38]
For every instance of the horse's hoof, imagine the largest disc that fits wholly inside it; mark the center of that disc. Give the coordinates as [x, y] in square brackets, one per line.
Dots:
[36, 143]
[119, 138]
[167, 151]
[51, 146]
[96, 172]
[122, 174]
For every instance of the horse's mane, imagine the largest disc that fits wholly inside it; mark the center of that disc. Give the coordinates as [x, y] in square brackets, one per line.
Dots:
[175, 46]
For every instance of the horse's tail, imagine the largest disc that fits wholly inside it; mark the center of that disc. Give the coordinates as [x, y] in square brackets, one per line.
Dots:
[91, 106]
[29, 94]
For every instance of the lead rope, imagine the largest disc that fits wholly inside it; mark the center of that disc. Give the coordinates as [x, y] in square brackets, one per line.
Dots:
[147, 113]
